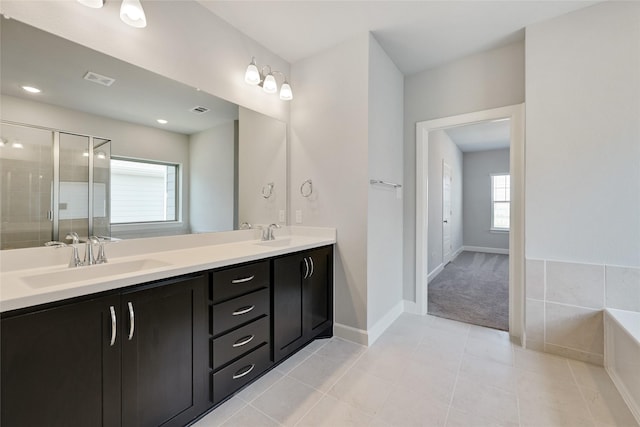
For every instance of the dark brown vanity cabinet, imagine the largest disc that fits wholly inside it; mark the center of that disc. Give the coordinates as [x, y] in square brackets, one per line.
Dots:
[131, 358]
[240, 327]
[302, 299]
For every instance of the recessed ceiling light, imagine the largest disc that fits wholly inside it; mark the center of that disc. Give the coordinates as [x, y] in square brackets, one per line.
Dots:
[17, 144]
[162, 121]
[31, 89]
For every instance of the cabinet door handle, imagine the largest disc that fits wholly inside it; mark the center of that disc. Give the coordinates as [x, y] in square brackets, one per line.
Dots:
[243, 280]
[243, 371]
[243, 341]
[132, 319]
[311, 261]
[113, 325]
[243, 310]
[306, 268]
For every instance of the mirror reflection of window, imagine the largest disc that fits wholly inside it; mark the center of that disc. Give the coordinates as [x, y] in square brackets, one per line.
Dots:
[143, 191]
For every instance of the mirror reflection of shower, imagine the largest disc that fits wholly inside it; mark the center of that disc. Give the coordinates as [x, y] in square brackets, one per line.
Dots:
[51, 183]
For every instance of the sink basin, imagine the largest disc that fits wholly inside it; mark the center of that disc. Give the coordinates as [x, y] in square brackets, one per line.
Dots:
[78, 274]
[278, 243]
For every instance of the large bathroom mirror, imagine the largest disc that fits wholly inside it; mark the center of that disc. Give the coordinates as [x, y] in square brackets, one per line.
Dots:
[217, 166]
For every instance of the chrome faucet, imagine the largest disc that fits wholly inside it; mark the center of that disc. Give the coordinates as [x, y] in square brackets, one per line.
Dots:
[75, 257]
[89, 258]
[267, 232]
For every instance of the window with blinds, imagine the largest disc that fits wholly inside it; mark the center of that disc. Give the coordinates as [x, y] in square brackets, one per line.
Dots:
[500, 201]
[143, 191]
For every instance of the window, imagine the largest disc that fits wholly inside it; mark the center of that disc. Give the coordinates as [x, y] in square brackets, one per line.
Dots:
[143, 191]
[500, 201]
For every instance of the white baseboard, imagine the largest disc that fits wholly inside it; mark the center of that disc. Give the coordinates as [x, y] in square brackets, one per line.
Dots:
[434, 273]
[411, 307]
[369, 336]
[457, 252]
[381, 325]
[486, 250]
[348, 333]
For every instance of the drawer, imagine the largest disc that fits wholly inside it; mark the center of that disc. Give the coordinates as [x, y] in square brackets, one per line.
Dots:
[244, 309]
[228, 380]
[235, 281]
[234, 344]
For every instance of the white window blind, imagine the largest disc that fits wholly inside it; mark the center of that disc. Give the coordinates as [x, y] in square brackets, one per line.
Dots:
[143, 191]
[500, 201]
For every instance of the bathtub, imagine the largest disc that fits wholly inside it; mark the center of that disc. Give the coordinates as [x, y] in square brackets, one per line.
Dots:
[622, 354]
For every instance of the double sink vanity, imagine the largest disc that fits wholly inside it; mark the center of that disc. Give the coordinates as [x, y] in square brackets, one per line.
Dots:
[166, 330]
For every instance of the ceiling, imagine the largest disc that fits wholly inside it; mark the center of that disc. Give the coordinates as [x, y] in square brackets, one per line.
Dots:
[57, 66]
[483, 136]
[417, 35]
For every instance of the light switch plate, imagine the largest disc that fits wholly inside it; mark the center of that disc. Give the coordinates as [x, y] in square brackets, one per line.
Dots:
[298, 216]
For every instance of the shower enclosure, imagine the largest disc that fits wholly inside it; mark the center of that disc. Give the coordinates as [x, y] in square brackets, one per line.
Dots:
[52, 182]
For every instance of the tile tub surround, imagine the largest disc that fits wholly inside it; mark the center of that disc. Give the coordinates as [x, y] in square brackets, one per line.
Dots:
[622, 354]
[564, 303]
[427, 371]
[170, 256]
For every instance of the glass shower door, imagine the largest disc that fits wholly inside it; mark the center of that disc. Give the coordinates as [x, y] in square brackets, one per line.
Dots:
[73, 186]
[26, 183]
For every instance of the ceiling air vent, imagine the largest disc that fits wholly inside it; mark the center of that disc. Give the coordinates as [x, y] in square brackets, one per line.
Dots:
[99, 78]
[199, 110]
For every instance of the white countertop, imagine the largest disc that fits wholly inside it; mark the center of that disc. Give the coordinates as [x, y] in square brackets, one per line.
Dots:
[41, 275]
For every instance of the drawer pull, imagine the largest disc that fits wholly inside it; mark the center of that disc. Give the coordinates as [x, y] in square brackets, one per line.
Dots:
[243, 341]
[244, 371]
[243, 280]
[243, 310]
[112, 310]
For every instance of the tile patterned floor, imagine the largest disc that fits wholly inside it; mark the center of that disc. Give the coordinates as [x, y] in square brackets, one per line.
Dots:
[426, 371]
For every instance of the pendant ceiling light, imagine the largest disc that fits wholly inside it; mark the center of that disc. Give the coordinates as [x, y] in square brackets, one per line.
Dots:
[264, 77]
[131, 13]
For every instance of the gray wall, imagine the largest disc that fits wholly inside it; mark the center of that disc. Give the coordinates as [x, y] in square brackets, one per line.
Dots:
[384, 236]
[212, 161]
[478, 167]
[478, 82]
[441, 148]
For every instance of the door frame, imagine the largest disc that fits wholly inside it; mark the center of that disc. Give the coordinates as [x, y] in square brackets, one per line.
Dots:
[516, 235]
[446, 256]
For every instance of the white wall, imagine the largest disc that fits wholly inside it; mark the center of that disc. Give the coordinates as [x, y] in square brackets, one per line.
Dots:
[478, 82]
[183, 40]
[582, 174]
[262, 156]
[384, 236]
[478, 167]
[212, 159]
[583, 136]
[328, 144]
[441, 148]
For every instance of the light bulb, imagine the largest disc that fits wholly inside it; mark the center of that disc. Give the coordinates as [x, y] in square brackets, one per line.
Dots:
[285, 92]
[131, 13]
[252, 76]
[96, 4]
[31, 89]
[270, 85]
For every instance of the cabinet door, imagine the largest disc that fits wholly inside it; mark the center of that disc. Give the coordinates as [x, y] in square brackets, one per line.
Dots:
[59, 367]
[318, 292]
[164, 352]
[288, 327]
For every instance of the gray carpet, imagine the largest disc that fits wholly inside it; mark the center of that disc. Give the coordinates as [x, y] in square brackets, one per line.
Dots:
[473, 288]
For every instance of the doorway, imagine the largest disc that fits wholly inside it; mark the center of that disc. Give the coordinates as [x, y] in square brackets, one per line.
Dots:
[425, 225]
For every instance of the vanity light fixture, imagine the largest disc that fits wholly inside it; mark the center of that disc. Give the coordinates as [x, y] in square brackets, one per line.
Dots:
[162, 121]
[95, 4]
[31, 89]
[264, 76]
[131, 13]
